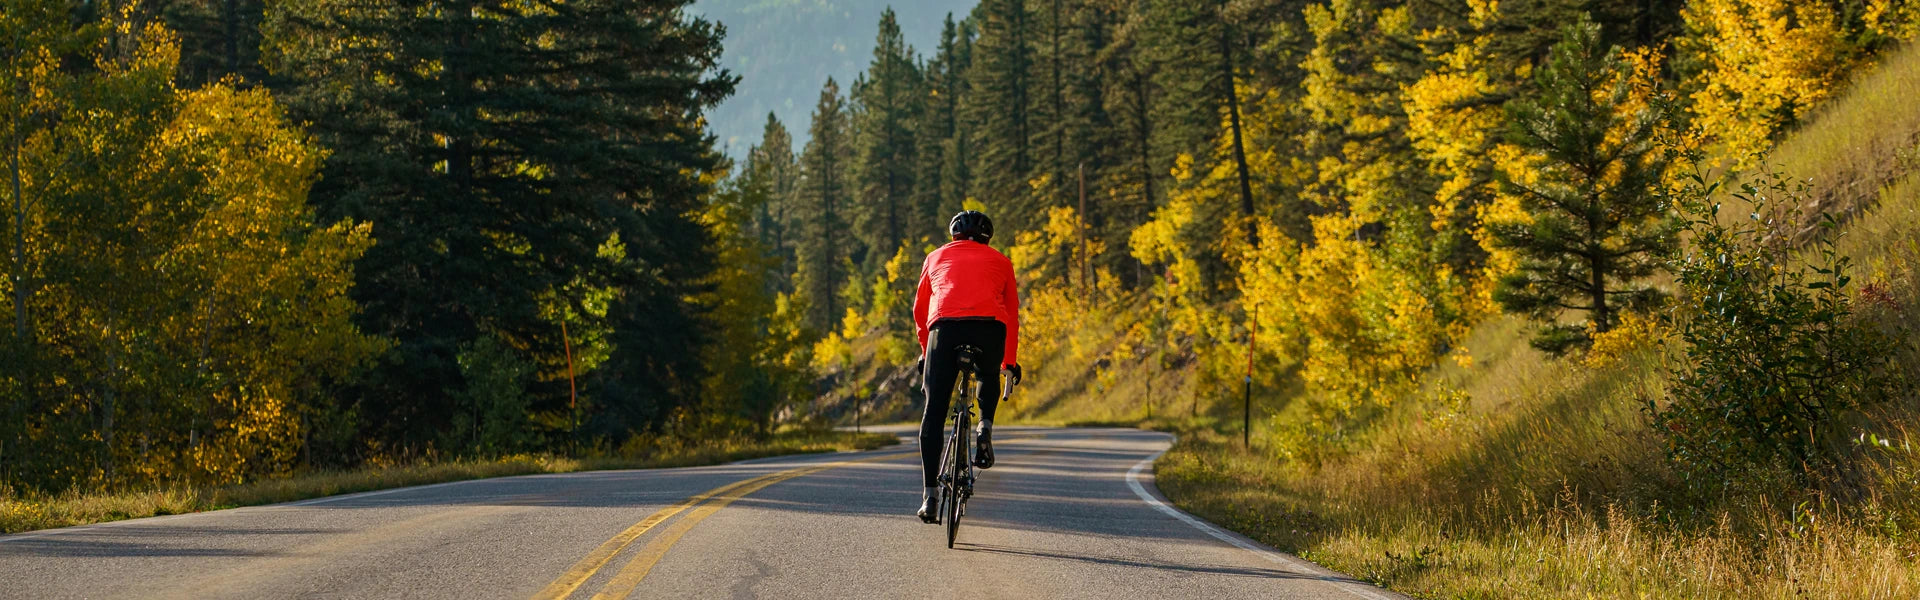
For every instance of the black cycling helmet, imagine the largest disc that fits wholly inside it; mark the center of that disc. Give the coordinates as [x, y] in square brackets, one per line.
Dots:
[972, 225]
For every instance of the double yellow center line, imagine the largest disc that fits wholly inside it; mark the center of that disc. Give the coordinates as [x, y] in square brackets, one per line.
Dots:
[625, 581]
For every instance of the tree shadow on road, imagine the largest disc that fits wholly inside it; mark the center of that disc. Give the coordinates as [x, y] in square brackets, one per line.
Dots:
[115, 541]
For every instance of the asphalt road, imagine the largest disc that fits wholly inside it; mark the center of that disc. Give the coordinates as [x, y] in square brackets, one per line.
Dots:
[1067, 513]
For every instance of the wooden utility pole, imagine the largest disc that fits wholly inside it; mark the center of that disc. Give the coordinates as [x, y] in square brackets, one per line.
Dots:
[573, 391]
[1246, 403]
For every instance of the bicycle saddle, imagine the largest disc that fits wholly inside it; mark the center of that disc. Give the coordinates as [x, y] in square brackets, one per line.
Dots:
[968, 357]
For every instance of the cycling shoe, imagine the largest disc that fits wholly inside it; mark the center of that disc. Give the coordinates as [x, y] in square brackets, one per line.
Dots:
[929, 510]
[983, 451]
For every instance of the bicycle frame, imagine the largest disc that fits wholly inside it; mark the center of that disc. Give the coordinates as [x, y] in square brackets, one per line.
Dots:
[957, 473]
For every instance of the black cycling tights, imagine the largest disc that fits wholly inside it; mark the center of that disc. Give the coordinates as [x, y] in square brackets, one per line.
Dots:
[990, 337]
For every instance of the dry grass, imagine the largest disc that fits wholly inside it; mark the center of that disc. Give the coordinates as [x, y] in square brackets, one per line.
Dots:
[1886, 242]
[25, 513]
[1862, 142]
[1428, 546]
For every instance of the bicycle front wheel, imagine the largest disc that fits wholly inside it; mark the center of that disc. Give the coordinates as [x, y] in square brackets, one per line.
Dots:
[957, 465]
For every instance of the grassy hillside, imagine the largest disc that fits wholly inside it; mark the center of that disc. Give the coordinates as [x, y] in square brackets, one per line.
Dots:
[1505, 473]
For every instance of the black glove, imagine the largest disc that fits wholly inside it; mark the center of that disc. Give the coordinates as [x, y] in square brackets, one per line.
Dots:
[920, 368]
[1014, 371]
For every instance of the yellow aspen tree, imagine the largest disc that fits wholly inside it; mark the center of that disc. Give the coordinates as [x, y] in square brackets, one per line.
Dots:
[1767, 65]
[1454, 121]
[195, 303]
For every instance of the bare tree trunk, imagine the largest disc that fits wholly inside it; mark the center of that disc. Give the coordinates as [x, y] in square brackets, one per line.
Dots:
[1239, 148]
[1602, 314]
[109, 396]
[1143, 106]
[1597, 269]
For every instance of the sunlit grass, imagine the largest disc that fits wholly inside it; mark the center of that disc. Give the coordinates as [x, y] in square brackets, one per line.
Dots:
[1448, 545]
[1862, 142]
[29, 512]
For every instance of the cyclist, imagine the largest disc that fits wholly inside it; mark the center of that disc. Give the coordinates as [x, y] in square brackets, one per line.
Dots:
[967, 297]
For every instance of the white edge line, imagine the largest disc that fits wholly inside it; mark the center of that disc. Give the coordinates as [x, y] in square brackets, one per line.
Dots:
[1346, 585]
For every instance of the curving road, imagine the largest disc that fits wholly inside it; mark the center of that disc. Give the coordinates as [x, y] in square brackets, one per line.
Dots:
[1067, 513]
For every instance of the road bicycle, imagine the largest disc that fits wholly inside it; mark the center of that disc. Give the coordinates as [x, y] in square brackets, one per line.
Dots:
[957, 472]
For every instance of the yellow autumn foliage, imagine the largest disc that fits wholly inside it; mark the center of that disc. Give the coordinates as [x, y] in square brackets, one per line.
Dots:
[1769, 64]
[1635, 331]
[190, 307]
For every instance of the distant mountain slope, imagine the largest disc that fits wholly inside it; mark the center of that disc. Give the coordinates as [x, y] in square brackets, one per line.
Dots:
[783, 50]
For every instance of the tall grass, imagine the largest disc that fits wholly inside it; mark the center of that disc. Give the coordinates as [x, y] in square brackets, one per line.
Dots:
[1861, 142]
[1444, 545]
[23, 512]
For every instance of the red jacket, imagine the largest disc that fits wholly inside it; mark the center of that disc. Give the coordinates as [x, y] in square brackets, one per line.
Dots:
[968, 279]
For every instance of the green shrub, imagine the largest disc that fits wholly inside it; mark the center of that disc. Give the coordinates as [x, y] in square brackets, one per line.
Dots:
[493, 416]
[1775, 363]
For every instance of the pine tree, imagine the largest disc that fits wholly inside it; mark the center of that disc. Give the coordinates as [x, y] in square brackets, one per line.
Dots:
[528, 168]
[772, 177]
[999, 108]
[1180, 39]
[822, 203]
[1230, 94]
[217, 38]
[940, 175]
[892, 100]
[1052, 60]
[1134, 175]
[1093, 140]
[1597, 224]
[749, 379]
[1072, 133]
[957, 177]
